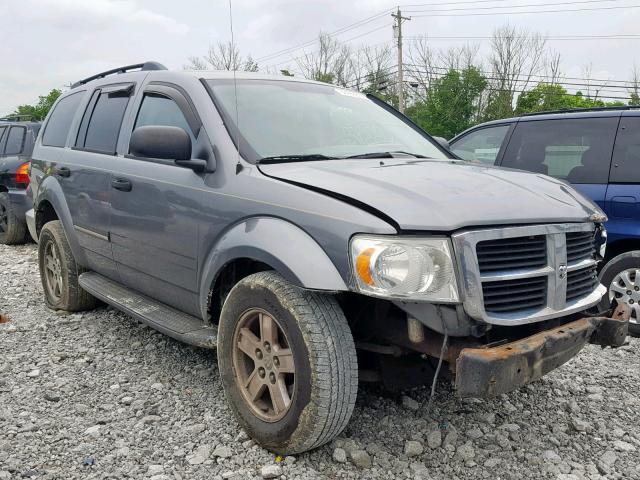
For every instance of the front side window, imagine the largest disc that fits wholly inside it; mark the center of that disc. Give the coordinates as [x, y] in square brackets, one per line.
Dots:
[626, 154]
[577, 150]
[286, 118]
[15, 141]
[57, 128]
[481, 145]
[161, 110]
[105, 121]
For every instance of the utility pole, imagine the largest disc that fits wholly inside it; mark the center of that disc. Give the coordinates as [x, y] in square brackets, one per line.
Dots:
[398, 30]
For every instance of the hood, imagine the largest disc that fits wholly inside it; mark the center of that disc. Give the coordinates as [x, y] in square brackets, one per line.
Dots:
[442, 195]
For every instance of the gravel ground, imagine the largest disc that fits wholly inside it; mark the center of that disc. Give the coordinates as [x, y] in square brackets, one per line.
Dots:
[96, 395]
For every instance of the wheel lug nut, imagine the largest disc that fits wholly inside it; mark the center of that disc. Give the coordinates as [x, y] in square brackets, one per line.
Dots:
[276, 361]
[259, 354]
[628, 292]
[272, 377]
[636, 288]
[267, 347]
[631, 301]
[261, 372]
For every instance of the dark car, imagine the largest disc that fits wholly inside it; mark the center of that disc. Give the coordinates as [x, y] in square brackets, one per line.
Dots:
[290, 224]
[598, 152]
[17, 136]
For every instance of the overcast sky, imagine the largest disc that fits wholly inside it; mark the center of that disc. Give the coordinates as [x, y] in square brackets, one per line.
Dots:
[49, 43]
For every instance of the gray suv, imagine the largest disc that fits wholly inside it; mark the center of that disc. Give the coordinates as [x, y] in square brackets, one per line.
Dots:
[310, 234]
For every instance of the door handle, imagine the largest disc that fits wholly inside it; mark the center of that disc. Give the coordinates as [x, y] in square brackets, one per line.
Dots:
[121, 184]
[63, 172]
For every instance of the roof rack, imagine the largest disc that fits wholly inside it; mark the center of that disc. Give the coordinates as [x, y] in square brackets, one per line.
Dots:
[586, 109]
[14, 117]
[143, 67]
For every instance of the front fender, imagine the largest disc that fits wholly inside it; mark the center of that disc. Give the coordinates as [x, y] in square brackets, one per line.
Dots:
[288, 249]
[50, 191]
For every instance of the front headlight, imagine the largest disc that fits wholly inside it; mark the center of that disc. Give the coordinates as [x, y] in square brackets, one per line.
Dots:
[409, 268]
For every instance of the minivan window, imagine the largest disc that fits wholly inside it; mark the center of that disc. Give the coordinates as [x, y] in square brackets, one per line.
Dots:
[161, 110]
[288, 118]
[105, 121]
[626, 154]
[15, 141]
[2, 130]
[481, 145]
[57, 128]
[577, 150]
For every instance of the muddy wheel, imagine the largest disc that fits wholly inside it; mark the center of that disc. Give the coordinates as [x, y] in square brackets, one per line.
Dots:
[621, 276]
[59, 272]
[288, 363]
[12, 230]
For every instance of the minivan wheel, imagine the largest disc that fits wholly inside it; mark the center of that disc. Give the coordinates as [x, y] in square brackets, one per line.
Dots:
[621, 276]
[12, 230]
[59, 272]
[287, 362]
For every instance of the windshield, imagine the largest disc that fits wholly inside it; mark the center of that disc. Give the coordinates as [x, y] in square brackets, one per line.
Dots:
[294, 119]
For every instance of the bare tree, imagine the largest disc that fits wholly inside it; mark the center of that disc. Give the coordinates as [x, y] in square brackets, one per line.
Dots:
[330, 63]
[517, 55]
[424, 66]
[593, 91]
[634, 89]
[222, 56]
[552, 67]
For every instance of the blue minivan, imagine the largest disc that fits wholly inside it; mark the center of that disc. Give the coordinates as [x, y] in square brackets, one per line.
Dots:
[598, 152]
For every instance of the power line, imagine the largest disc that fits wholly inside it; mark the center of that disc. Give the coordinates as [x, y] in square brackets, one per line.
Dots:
[630, 36]
[523, 13]
[493, 7]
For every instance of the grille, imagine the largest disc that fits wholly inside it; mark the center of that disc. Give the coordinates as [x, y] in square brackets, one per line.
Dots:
[513, 295]
[581, 282]
[512, 253]
[580, 246]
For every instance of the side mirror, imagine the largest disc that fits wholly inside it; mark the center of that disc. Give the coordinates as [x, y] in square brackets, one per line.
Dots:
[163, 142]
[443, 142]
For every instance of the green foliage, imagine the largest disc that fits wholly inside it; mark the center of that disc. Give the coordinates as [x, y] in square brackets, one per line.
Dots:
[286, 73]
[40, 110]
[451, 103]
[380, 84]
[545, 96]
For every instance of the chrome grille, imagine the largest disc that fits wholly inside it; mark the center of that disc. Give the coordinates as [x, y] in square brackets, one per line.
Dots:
[518, 275]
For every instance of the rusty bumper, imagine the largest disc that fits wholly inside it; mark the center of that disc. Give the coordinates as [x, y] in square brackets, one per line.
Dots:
[486, 372]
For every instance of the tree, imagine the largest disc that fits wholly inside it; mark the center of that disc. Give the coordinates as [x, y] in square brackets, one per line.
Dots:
[546, 96]
[634, 90]
[222, 56]
[451, 102]
[40, 110]
[330, 63]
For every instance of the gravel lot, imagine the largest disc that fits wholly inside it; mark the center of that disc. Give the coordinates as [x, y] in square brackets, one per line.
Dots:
[96, 395]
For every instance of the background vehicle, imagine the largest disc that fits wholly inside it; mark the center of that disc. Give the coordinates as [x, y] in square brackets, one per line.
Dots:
[310, 221]
[17, 136]
[598, 152]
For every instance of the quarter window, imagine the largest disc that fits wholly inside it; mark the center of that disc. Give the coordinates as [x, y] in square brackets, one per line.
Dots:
[105, 121]
[15, 141]
[59, 123]
[482, 145]
[576, 150]
[626, 154]
[161, 110]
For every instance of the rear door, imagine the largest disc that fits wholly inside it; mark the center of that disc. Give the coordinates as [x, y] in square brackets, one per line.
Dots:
[577, 150]
[623, 194]
[482, 145]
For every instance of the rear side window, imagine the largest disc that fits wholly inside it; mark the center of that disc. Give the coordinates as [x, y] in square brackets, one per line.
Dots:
[15, 141]
[481, 145]
[2, 130]
[626, 154]
[57, 128]
[576, 150]
[104, 123]
[161, 110]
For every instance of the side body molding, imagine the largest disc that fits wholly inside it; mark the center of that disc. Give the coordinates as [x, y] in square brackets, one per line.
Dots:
[282, 245]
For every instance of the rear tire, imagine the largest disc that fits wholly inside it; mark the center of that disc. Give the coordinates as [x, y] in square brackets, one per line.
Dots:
[316, 379]
[59, 272]
[12, 230]
[621, 275]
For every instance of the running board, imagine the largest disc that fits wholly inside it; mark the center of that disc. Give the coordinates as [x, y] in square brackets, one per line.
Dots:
[157, 315]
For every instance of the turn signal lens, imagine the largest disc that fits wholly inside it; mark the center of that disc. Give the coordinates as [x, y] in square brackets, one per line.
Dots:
[363, 263]
[22, 174]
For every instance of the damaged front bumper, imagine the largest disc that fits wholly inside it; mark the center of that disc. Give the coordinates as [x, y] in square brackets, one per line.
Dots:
[491, 371]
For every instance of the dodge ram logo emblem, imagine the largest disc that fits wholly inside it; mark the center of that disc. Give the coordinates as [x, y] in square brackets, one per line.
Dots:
[562, 271]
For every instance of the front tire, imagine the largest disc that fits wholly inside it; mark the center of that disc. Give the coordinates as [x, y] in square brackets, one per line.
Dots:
[59, 272]
[287, 362]
[621, 276]
[12, 230]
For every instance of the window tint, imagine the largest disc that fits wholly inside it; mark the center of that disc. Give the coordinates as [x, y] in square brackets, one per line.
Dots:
[15, 141]
[57, 128]
[626, 154]
[482, 145]
[577, 150]
[105, 121]
[2, 130]
[159, 110]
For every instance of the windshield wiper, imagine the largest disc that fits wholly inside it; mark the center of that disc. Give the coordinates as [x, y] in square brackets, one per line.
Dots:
[312, 157]
[385, 155]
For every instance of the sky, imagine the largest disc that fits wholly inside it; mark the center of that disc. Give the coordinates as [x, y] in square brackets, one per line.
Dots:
[50, 43]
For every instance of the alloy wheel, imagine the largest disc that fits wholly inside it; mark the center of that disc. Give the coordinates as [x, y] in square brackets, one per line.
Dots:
[53, 271]
[4, 219]
[625, 288]
[263, 363]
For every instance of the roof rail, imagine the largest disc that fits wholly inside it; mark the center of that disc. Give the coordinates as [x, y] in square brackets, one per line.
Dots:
[14, 117]
[143, 67]
[586, 109]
